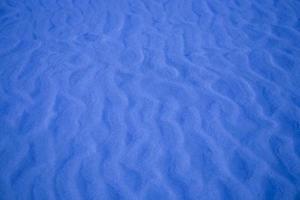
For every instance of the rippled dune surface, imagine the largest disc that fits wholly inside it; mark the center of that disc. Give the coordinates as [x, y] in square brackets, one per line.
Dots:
[149, 99]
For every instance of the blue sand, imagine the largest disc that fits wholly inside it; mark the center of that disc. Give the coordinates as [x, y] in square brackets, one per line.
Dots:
[149, 99]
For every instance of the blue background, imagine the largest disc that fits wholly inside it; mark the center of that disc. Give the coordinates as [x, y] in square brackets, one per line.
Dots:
[149, 99]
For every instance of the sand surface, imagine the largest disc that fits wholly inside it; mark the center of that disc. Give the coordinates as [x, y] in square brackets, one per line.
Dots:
[149, 99]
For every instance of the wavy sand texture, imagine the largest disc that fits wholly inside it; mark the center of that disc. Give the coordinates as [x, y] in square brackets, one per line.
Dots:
[149, 99]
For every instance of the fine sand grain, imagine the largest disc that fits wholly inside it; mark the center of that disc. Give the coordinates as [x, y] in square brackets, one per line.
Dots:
[149, 99]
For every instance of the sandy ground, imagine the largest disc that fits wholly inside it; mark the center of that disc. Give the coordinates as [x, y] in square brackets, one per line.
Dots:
[149, 99]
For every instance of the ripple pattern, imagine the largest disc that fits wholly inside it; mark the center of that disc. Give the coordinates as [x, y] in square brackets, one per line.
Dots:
[126, 99]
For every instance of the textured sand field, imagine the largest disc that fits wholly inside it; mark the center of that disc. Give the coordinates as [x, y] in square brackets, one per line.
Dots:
[149, 99]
